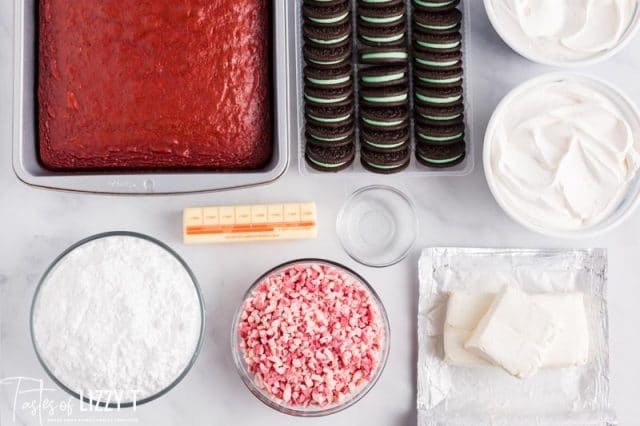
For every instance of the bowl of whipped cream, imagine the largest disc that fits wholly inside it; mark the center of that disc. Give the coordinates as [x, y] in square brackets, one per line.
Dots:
[565, 33]
[562, 154]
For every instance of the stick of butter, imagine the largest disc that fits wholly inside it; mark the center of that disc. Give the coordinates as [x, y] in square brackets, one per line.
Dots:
[570, 348]
[261, 222]
[514, 334]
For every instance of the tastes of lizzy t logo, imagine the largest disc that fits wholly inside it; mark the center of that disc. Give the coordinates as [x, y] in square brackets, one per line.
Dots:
[31, 398]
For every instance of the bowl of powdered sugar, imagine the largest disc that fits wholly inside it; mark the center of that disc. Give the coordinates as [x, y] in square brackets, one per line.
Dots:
[118, 319]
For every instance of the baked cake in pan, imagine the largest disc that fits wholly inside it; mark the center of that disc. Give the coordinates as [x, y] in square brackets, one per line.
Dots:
[154, 84]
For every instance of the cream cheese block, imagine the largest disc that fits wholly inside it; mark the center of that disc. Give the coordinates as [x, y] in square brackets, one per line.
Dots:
[570, 348]
[514, 334]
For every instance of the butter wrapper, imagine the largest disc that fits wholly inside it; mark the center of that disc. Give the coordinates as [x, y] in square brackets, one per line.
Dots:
[449, 395]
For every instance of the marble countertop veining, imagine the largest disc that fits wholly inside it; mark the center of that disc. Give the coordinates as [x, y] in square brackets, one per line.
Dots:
[38, 224]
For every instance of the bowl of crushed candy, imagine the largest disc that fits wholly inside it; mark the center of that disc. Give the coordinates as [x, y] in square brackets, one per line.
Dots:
[311, 338]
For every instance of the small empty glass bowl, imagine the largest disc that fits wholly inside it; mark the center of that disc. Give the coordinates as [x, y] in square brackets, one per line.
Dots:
[377, 226]
[248, 378]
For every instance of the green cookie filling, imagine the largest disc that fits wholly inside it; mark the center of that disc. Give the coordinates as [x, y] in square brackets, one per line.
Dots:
[385, 55]
[383, 78]
[331, 41]
[389, 39]
[382, 99]
[325, 100]
[382, 166]
[432, 100]
[440, 80]
[433, 3]
[445, 118]
[381, 123]
[436, 63]
[382, 146]
[326, 165]
[382, 20]
[438, 45]
[329, 81]
[321, 139]
[329, 20]
[329, 120]
[437, 27]
[440, 138]
[326, 62]
[447, 160]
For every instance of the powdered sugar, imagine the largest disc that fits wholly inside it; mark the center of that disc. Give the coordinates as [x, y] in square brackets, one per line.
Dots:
[118, 313]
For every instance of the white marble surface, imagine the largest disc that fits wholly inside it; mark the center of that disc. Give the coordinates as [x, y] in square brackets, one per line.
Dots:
[38, 224]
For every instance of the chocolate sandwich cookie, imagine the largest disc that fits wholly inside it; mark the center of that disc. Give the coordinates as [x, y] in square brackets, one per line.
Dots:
[439, 135]
[440, 22]
[315, 95]
[386, 16]
[330, 159]
[383, 140]
[439, 116]
[386, 118]
[385, 96]
[438, 78]
[384, 56]
[377, 36]
[435, 5]
[327, 36]
[434, 42]
[330, 135]
[437, 61]
[332, 116]
[384, 75]
[328, 77]
[327, 57]
[385, 162]
[324, 15]
[445, 96]
[441, 156]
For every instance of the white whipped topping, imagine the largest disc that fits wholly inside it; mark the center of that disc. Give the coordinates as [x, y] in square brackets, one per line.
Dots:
[564, 30]
[562, 155]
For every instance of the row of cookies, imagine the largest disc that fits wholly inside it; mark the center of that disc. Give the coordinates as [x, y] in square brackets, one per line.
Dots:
[384, 105]
[438, 77]
[384, 125]
[328, 84]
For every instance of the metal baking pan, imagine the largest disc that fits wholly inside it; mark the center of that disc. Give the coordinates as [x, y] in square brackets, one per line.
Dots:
[414, 169]
[25, 126]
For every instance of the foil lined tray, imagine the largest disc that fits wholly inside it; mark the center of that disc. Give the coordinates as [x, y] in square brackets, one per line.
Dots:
[25, 126]
[415, 169]
[449, 395]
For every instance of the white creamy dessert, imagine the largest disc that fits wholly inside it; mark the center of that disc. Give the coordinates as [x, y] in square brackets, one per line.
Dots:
[562, 154]
[563, 30]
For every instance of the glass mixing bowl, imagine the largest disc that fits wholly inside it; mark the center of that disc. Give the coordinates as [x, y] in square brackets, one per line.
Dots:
[188, 366]
[310, 411]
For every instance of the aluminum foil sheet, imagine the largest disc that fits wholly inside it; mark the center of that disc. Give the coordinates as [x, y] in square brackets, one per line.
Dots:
[449, 395]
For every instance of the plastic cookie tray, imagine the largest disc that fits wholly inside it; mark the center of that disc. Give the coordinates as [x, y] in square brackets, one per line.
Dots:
[414, 169]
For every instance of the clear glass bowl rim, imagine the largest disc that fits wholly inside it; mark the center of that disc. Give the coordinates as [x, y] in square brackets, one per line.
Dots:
[162, 245]
[247, 377]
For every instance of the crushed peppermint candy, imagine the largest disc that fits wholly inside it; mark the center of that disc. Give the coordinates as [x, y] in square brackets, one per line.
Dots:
[311, 335]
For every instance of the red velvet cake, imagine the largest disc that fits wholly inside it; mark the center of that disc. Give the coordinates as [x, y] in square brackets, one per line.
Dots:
[154, 84]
